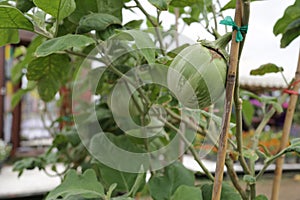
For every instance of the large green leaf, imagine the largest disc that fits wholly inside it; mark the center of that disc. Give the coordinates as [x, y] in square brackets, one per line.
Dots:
[142, 40]
[97, 21]
[228, 192]
[291, 33]
[175, 175]
[59, 9]
[84, 186]
[12, 18]
[124, 180]
[290, 14]
[288, 24]
[187, 193]
[159, 4]
[266, 69]
[63, 43]
[49, 71]
[9, 36]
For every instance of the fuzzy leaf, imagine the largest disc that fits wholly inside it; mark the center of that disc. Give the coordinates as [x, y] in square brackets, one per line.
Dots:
[12, 18]
[63, 43]
[250, 154]
[249, 179]
[59, 9]
[266, 69]
[85, 186]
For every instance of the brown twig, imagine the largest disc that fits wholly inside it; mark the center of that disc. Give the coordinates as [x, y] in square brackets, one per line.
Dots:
[285, 133]
[233, 61]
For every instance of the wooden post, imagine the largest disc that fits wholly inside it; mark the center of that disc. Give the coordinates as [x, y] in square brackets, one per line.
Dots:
[16, 124]
[2, 91]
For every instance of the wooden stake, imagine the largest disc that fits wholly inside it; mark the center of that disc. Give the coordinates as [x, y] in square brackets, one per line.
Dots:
[233, 62]
[286, 133]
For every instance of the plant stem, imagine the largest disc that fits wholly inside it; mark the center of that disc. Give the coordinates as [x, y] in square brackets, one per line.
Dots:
[190, 147]
[285, 133]
[234, 178]
[233, 61]
[268, 162]
[237, 101]
[261, 126]
[154, 24]
[192, 125]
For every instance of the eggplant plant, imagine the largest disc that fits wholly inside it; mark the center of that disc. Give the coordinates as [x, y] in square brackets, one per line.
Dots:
[134, 99]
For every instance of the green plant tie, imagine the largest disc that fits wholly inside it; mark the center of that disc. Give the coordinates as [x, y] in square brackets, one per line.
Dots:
[229, 21]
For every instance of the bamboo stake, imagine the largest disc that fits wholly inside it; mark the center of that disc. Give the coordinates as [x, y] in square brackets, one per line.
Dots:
[233, 62]
[285, 133]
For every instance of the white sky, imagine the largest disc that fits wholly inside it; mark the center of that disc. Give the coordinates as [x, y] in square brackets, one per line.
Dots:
[261, 45]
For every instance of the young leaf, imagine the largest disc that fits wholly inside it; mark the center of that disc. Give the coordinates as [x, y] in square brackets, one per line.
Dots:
[59, 9]
[175, 175]
[250, 154]
[12, 18]
[187, 193]
[97, 22]
[159, 4]
[63, 43]
[266, 69]
[249, 179]
[85, 185]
